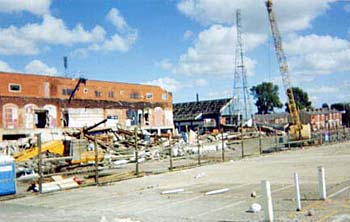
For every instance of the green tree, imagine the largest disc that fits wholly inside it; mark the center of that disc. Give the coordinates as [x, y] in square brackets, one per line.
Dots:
[266, 95]
[301, 99]
[341, 106]
[325, 105]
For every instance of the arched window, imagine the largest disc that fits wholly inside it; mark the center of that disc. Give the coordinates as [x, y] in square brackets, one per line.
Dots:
[158, 116]
[10, 116]
[52, 115]
[29, 115]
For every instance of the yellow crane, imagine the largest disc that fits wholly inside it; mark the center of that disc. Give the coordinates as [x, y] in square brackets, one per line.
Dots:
[297, 130]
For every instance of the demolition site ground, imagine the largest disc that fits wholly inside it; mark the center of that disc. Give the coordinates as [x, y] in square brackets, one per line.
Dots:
[141, 199]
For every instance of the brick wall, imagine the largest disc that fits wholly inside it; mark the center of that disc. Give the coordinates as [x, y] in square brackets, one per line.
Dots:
[34, 86]
[39, 91]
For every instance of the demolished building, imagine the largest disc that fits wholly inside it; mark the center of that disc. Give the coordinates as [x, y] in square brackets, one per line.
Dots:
[208, 114]
[40, 102]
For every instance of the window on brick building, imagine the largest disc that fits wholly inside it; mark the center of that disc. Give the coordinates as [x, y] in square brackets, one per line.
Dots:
[164, 96]
[135, 95]
[67, 91]
[111, 94]
[98, 93]
[121, 92]
[14, 87]
[149, 95]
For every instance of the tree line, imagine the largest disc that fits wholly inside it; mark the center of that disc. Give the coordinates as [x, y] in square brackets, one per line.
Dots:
[267, 99]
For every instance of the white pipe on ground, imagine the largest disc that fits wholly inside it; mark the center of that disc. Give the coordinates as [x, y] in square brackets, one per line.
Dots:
[321, 183]
[267, 200]
[297, 192]
[217, 191]
[173, 191]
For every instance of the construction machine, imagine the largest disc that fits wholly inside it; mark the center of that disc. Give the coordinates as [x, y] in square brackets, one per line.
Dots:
[297, 130]
[64, 150]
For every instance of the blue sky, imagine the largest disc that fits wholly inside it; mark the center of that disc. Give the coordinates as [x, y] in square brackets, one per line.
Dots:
[185, 46]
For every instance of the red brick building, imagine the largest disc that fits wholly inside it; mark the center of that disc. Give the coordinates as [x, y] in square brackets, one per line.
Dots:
[36, 101]
[321, 118]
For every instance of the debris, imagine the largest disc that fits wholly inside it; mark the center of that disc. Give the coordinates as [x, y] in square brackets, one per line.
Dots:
[173, 191]
[125, 220]
[310, 213]
[253, 194]
[152, 186]
[199, 175]
[255, 207]
[217, 191]
[120, 162]
[28, 175]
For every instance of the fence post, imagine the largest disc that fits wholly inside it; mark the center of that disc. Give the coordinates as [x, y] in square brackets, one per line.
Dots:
[297, 191]
[222, 146]
[276, 145]
[242, 143]
[96, 162]
[40, 172]
[136, 152]
[199, 147]
[321, 183]
[337, 128]
[288, 140]
[267, 200]
[260, 145]
[170, 154]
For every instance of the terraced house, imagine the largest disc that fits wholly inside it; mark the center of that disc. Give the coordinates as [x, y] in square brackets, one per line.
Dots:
[36, 101]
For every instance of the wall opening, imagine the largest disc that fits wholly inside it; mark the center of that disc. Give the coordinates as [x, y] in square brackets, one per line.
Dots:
[13, 136]
[65, 118]
[41, 118]
[146, 115]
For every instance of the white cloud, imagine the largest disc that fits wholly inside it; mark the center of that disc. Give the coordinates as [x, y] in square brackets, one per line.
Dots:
[188, 34]
[38, 67]
[323, 90]
[165, 64]
[38, 7]
[301, 45]
[314, 55]
[120, 41]
[219, 94]
[213, 52]
[5, 67]
[292, 15]
[347, 8]
[167, 83]
[32, 38]
[25, 40]
[201, 82]
[117, 20]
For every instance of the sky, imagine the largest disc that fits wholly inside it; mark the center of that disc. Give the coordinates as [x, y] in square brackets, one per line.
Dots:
[184, 46]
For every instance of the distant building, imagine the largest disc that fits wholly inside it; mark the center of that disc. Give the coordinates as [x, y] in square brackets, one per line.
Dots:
[37, 101]
[321, 118]
[317, 118]
[207, 115]
[277, 120]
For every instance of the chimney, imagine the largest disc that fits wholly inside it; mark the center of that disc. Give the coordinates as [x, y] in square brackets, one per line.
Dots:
[197, 97]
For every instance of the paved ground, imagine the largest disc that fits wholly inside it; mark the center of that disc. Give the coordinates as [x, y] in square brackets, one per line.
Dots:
[141, 199]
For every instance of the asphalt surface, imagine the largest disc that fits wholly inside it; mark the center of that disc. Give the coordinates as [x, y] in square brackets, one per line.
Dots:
[141, 199]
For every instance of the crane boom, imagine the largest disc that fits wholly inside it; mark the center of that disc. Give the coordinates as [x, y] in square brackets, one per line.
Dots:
[283, 66]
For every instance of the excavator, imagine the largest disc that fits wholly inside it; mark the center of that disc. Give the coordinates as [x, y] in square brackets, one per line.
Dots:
[72, 155]
[297, 130]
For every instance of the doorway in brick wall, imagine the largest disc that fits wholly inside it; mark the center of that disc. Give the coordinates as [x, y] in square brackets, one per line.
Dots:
[41, 117]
